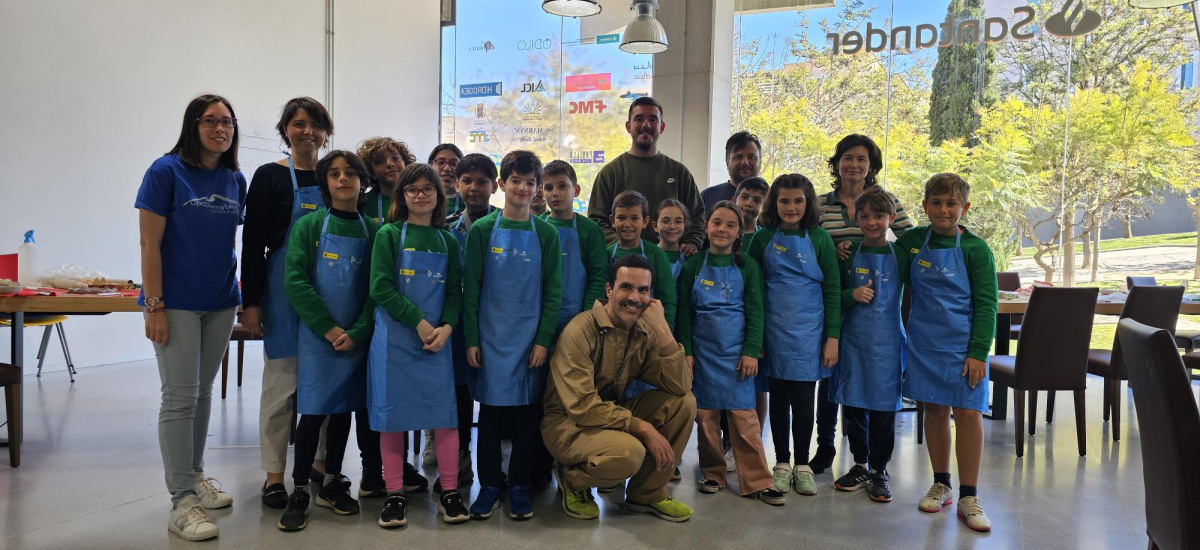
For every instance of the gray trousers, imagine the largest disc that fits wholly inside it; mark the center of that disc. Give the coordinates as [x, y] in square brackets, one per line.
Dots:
[187, 366]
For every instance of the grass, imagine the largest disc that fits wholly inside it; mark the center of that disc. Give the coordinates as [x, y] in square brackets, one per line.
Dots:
[1188, 239]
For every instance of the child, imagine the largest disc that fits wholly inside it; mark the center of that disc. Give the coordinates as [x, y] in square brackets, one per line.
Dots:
[326, 279]
[415, 278]
[511, 301]
[584, 260]
[803, 307]
[720, 325]
[386, 157]
[670, 222]
[866, 380]
[950, 331]
[748, 197]
[630, 215]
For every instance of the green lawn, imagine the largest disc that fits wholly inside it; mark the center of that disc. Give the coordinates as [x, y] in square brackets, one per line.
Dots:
[1134, 242]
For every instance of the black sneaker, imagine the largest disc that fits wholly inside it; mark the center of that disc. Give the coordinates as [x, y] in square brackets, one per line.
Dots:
[854, 480]
[275, 495]
[452, 508]
[319, 479]
[708, 486]
[414, 482]
[372, 486]
[335, 497]
[879, 490]
[770, 495]
[823, 459]
[393, 512]
[295, 515]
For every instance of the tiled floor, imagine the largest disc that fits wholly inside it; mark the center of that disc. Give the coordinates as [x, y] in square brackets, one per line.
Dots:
[92, 478]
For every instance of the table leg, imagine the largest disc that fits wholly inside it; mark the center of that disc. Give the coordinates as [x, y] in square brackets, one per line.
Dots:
[1000, 391]
[18, 354]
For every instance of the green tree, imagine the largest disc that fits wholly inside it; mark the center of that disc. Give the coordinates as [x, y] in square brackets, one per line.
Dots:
[963, 78]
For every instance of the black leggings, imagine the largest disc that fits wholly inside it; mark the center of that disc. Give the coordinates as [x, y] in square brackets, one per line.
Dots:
[337, 434]
[872, 435]
[792, 404]
[466, 416]
[523, 424]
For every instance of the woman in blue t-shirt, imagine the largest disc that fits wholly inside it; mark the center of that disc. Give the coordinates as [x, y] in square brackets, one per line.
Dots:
[190, 204]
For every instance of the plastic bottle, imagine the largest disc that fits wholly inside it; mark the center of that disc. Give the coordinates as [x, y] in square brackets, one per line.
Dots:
[27, 262]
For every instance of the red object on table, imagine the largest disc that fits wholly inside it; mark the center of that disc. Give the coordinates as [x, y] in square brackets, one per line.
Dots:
[8, 266]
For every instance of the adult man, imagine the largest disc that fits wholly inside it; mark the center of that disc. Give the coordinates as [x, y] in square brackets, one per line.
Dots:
[653, 174]
[743, 152]
[599, 439]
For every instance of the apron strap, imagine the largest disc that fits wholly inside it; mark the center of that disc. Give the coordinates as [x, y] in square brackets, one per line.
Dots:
[379, 206]
[292, 171]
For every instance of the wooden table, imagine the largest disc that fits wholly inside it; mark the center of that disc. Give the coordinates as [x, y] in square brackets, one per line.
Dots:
[70, 304]
[1008, 308]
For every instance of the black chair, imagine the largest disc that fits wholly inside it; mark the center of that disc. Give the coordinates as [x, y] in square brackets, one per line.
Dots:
[10, 379]
[1051, 355]
[1170, 434]
[1155, 306]
[1187, 340]
[1010, 281]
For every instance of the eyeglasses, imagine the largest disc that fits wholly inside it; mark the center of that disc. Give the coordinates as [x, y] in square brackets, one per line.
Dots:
[665, 222]
[442, 163]
[413, 192]
[212, 122]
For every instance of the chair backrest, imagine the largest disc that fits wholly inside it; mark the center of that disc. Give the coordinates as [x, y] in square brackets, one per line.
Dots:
[1131, 282]
[1169, 422]
[1153, 306]
[1008, 280]
[1052, 350]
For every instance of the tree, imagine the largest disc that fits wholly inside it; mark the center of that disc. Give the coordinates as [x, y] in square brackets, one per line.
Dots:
[963, 79]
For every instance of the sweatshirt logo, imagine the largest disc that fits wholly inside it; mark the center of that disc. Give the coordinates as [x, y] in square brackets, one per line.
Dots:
[217, 204]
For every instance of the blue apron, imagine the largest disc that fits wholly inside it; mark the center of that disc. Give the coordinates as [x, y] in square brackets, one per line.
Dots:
[330, 381]
[870, 365]
[410, 388]
[574, 275]
[676, 269]
[458, 338]
[509, 312]
[939, 330]
[381, 216]
[718, 334]
[279, 319]
[795, 314]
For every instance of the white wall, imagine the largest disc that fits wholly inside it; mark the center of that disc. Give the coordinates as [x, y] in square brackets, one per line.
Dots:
[93, 92]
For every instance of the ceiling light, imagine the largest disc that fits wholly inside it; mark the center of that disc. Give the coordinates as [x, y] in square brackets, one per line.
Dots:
[571, 8]
[644, 34]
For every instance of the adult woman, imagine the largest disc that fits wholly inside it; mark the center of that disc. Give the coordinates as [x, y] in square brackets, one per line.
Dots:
[855, 163]
[445, 158]
[190, 204]
[280, 193]
[386, 157]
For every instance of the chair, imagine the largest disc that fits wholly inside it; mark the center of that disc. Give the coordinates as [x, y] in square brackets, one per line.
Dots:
[50, 322]
[1184, 339]
[1011, 281]
[1051, 354]
[239, 335]
[10, 379]
[1155, 306]
[1170, 434]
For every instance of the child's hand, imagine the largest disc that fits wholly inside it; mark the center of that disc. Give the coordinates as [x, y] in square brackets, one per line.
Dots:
[473, 357]
[843, 250]
[973, 371]
[334, 333]
[829, 356]
[537, 357]
[748, 366]
[688, 250]
[864, 294]
[437, 340]
[424, 331]
[343, 343]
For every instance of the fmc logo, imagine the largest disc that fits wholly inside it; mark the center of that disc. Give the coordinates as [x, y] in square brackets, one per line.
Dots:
[478, 136]
[1073, 19]
[587, 107]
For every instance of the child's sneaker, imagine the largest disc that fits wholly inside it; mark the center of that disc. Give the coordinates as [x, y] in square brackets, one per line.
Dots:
[938, 496]
[730, 463]
[822, 459]
[393, 512]
[414, 482]
[677, 475]
[451, 506]
[970, 510]
[708, 486]
[189, 521]
[211, 496]
[668, 509]
[520, 506]
[782, 475]
[770, 496]
[335, 497]
[854, 480]
[428, 456]
[296, 513]
[319, 479]
[486, 502]
[372, 486]
[803, 482]
[878, 487]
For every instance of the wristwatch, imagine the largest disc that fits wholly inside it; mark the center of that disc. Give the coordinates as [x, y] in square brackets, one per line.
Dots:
[153, 303]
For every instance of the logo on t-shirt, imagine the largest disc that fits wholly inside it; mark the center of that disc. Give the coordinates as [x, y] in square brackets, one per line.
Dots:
[214, 203]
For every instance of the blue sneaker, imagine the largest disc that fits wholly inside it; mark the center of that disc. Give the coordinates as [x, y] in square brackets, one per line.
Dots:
[486, 503]
[519, 504]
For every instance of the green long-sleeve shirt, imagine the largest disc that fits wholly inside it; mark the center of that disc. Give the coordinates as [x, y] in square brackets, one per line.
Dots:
[981, 272]
[297, 272]
[831, 286]
[847, 267]
[657, 178]
[592, 251]
[420, 238]
[377, 206]
[752, 297]
[661, 280]
[477, 250]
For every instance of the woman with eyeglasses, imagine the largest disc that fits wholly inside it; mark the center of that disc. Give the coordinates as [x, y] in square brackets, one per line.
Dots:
[445, 158]
[189, 206]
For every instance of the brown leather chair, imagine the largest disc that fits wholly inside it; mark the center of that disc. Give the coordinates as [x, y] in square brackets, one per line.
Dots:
[1155, 306]
[1051, 354]
[10, 379]
[239, 335]
[1170, 434]
[1010, 281]
[1187, 340]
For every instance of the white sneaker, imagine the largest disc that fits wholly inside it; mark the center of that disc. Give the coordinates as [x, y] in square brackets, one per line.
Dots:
[428, 456]
[730, 464]
[970, 510]
[938, 496]
[189, 521]
[211, 496]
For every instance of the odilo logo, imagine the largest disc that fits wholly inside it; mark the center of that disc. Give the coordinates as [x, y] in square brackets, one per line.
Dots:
[587, 107]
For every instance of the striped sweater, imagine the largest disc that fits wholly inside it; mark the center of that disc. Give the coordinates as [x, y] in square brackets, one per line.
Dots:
[836, 221]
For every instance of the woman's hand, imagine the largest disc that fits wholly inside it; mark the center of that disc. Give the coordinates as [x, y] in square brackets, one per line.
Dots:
[252, 319]
[156, 326]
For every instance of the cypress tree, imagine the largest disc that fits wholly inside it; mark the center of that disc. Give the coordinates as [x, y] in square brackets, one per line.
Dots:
[963, 78]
